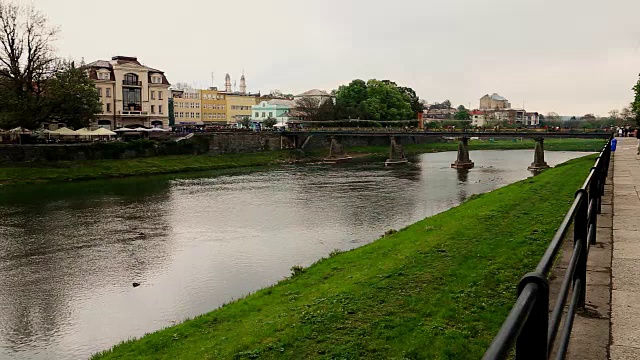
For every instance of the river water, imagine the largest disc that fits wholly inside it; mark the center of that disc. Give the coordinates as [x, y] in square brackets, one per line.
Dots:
[69, 253]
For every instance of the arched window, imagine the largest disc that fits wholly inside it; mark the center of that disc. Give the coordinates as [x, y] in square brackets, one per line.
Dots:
[130, 79]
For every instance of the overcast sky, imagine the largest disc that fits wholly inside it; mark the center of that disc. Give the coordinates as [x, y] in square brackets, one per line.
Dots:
[568, 56]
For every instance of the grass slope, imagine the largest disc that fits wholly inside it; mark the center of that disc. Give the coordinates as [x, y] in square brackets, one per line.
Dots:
[100, 169]
[438, 289]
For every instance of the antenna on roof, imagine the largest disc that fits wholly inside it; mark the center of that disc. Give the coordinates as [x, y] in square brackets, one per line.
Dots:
[212, 83]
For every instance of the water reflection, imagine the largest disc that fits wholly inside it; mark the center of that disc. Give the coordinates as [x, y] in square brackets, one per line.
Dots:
[69, 252]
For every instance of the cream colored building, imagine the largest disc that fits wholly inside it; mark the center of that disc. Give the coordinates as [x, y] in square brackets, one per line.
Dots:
[187, 107]
[239, 106]
[132, 94]
[214, 107]
[494, 102]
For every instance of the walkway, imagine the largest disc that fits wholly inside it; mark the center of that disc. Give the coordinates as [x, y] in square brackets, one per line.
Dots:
[625, 305]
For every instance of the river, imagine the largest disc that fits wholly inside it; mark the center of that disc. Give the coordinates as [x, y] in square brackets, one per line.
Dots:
[69, 253]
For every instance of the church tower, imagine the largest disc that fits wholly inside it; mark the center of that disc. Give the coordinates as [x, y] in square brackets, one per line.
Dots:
[227, 83]
[243, 84]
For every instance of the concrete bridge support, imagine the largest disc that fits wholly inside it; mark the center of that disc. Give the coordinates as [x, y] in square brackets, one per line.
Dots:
[463, 161]
[396, 153]
[336, 152]
[538, 157]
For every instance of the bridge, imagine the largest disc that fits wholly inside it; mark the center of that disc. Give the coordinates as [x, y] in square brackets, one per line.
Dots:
[301, 138]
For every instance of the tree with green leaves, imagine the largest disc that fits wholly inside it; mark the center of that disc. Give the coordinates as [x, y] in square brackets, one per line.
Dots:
[269, 122]
[635, 105]
[462, 115]
[72, 97]
[326, 111]
[379, 100]
[461, 107]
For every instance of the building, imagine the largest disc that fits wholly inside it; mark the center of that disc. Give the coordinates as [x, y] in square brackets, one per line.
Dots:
[214, 107]
[187, 107]
[478, 117]
[320, 95]
[132, 94]
[278, 109]
[494, 102]
[239, 106]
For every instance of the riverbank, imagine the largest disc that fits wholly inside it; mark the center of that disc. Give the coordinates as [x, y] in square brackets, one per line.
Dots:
[102, 169]
[437, 289]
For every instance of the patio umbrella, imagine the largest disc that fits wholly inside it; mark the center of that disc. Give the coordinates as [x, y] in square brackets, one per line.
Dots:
[20, 130]
[123, 130]
[83, 132]
[103, 132]
[157, 130]
[141, 129]
[63, 131]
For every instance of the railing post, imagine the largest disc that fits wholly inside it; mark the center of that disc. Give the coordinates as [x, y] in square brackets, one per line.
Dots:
[532, 341]
[580, 230]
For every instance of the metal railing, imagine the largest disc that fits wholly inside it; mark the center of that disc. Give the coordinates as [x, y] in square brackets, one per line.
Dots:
[529, 326]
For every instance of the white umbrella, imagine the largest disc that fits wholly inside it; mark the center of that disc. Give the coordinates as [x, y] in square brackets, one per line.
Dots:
[21, 130]
[103, 132]
[141, 129]
[63, 131]
[123, 130]
[83, 132]
[157, 130]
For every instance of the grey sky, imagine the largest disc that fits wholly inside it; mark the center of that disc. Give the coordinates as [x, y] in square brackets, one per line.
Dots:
[567, 56]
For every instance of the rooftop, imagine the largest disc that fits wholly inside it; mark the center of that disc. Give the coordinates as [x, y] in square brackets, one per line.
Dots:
[314, 92]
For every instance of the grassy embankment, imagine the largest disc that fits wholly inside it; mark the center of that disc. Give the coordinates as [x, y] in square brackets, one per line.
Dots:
[100, 169]
[438, 289]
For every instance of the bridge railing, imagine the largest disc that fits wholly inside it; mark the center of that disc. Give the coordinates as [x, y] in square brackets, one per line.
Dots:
[529, 327]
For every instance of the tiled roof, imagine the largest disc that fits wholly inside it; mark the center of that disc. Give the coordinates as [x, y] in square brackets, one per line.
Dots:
[497, 97]
[100, 64]
[282, 102]
[314, 92]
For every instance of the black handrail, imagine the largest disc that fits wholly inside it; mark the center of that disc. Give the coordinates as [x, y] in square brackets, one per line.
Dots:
[528, 324]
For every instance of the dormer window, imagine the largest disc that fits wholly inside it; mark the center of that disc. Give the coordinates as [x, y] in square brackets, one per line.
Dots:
[156, 79]
[103, 75]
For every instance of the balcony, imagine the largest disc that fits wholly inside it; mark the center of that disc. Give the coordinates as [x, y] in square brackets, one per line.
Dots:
[133, 113]
[131, 83]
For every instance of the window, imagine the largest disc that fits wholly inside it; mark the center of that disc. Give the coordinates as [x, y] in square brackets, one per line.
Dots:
[100, 92]
[257, 114]
[108, 92]
[108, 108]
[153, 95]
[130, 79]
[160, 109]
[159, 95]
[270, 114]
[263, 114]
[132, 99]
[153, 109]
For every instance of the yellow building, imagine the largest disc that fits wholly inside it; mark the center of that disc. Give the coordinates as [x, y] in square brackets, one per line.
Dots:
[214, 107]
[239, 106]
[187, 107]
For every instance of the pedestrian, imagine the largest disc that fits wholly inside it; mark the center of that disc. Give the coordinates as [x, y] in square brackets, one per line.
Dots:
[637, 133]
[619, 132]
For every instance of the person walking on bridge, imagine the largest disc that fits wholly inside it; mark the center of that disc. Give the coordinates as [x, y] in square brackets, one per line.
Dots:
[637, 133]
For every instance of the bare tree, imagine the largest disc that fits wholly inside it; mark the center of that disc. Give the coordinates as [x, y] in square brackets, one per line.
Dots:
[309, 107]
[27, 61]
[182, 86]
[614, 114]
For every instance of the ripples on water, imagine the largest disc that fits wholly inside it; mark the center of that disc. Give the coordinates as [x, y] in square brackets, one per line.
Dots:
[70, 252]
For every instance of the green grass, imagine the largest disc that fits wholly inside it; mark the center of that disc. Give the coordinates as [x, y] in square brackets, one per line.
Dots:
[438, 289]
[100, 169]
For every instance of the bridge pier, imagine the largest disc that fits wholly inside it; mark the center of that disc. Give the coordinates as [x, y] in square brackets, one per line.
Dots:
[538, 157]
[463, 161]
[336, 152]
[396, 153]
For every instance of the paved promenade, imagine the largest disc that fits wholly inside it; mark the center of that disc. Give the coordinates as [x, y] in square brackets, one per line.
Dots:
[625, 303]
